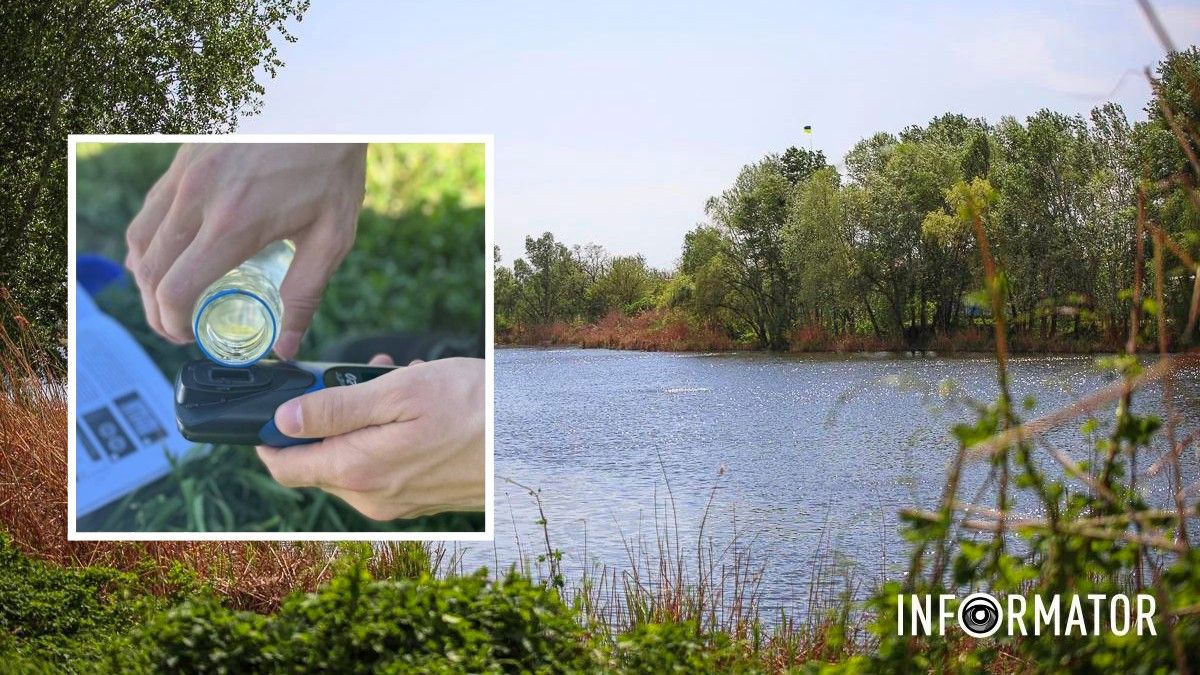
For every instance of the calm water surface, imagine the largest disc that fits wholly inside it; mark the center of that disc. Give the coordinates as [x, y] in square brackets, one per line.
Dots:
[799, 454]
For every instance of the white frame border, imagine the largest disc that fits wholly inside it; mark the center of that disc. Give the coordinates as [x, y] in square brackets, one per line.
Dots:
[489, 326]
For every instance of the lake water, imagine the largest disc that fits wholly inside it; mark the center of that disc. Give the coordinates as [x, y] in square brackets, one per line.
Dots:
[800, 455]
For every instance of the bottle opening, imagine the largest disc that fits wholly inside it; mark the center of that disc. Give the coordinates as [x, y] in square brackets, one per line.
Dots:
[235, 328]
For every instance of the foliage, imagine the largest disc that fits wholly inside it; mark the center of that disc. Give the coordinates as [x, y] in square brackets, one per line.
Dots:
[354, 624]
[750, 217]
[550, 280]
[417, 265]
[172, 66]
[792, 248]
[50, 614]
[678, 648]
[98, 620]
[1095, 535]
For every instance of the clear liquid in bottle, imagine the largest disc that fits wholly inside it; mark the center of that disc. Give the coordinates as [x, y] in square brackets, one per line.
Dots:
[237, 319]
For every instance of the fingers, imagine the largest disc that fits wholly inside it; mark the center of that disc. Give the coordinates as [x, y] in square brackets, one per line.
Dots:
[141, 229]
[154, 209]
[343, 464]
[318, 254]
[381, 360]
[339, 410]
[173, 236]
[140, 234]
[313, 465]
[219, 246]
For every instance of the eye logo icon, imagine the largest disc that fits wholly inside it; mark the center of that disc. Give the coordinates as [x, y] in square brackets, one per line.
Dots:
[979, 615]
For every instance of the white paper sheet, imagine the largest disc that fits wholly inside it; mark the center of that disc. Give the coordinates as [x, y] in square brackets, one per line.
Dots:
[125, 422]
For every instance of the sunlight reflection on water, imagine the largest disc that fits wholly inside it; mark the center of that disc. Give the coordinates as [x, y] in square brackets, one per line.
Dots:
[818, 452]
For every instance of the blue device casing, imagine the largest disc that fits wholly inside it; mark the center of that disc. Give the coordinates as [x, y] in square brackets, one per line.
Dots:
[220, 404]
[272, 436]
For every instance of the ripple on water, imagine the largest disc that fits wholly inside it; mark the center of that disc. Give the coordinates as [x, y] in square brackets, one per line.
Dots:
[808, 452]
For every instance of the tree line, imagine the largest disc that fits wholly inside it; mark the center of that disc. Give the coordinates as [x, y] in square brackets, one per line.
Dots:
[876, 248]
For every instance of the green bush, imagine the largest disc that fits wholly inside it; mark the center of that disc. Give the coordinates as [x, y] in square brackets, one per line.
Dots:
[198, 636]
[357, 624]
[678, 648]
[418, 272]
[458, 624]
[53, 617]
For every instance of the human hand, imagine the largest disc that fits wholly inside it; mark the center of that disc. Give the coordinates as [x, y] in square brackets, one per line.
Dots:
[219, 204]
[406, 444]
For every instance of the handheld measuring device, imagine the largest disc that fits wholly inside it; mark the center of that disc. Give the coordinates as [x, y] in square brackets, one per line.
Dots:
[219, 404]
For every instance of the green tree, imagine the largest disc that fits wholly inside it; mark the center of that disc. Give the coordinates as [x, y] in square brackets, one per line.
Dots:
[1174, 112]
[818, 252]
[626, 285]
[799, 164]
[594, 262]
[1177, 91]
[504, 294]
[750, 216]
[700, 279]
[1109, 230]
[896, 187]
[1044, 207]
[550, 280]
[171, 66]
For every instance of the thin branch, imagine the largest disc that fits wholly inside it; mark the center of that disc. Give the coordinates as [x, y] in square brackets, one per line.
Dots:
[1089, 403]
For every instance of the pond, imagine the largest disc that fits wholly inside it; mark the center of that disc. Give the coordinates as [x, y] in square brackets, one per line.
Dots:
[795, 458]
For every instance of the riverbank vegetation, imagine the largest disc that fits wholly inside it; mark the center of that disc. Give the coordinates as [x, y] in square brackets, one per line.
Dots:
[798, 254]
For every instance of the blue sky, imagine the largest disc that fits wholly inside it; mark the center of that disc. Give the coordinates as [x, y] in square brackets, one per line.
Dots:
[615, 121]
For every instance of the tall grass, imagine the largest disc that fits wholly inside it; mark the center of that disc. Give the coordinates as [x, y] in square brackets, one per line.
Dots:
[33, 437]
[713, 585]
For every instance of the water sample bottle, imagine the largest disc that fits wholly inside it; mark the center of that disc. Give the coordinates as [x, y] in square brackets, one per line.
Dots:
[238, 318]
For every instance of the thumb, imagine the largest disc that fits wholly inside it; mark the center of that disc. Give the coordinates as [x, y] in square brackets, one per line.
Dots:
[302, 288]
[340, 410]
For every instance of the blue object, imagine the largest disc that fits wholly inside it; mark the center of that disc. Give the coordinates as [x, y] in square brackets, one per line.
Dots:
[272, 436]
[96, 272]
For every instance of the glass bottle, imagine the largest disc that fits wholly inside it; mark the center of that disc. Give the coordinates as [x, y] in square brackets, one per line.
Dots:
[237, 319]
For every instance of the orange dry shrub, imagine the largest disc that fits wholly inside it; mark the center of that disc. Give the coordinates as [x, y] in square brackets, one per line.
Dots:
[854, 342]
[651, 330]
[970, 339]
[818, 339]
[808, 339]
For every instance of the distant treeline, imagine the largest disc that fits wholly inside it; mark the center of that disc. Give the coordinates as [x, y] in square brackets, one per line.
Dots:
[795, 252]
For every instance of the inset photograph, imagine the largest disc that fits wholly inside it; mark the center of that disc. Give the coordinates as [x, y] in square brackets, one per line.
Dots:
[280, 337]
